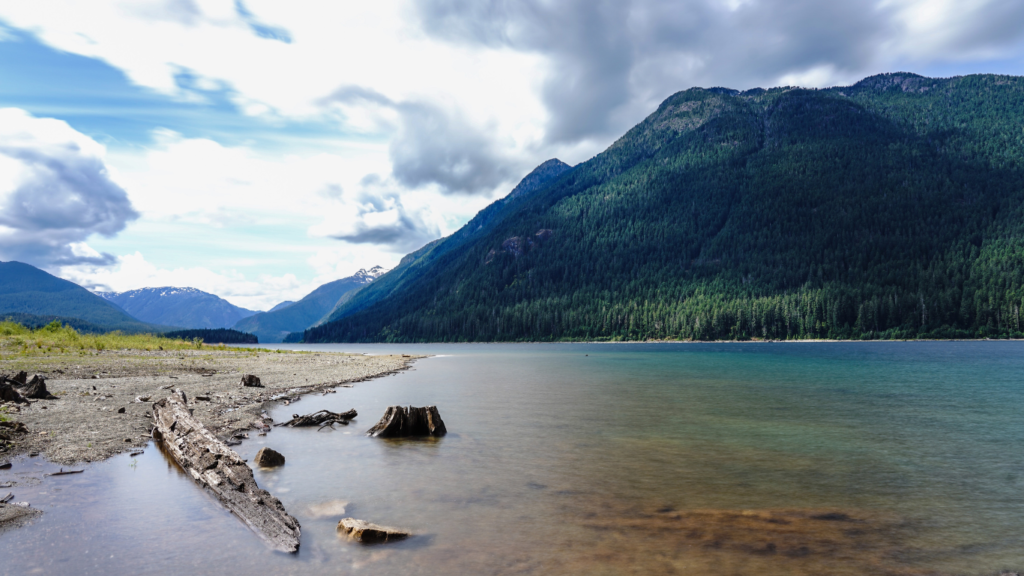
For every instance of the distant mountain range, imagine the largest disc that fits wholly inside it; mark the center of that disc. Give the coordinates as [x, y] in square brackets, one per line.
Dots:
[29, 295]
[183, 307]
[276, 324]
[893, 208]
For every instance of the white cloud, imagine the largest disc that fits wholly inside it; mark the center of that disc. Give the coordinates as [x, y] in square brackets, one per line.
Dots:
[55, 192]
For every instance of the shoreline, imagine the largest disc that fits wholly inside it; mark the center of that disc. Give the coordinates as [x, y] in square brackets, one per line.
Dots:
[104, 400]
[793, 341]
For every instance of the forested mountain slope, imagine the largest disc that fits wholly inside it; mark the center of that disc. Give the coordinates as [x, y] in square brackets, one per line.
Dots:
[274, 325]
[891, 208]
[184, 307]
[408, 271]
[27, 292]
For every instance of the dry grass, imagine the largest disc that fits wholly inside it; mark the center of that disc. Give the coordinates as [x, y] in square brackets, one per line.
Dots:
[55, 338]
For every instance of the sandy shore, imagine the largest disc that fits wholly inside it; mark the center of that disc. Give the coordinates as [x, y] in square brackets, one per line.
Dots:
[86, 423]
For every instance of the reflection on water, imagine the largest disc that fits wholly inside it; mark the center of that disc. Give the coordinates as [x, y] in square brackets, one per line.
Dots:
[877, 458]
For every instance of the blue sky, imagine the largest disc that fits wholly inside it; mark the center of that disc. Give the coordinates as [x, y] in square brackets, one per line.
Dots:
[258, 149]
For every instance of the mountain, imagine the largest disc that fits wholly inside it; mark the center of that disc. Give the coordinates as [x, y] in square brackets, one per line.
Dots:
[27, 293]
[409, 269]
[893, 208]
[274, 325]
[184, 307]
[282, 305]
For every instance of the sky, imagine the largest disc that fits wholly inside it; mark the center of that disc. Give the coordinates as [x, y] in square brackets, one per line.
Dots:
[257, 149]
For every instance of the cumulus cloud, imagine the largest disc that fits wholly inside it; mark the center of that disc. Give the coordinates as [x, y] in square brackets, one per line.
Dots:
[375, 214]
[55, 192]
[433, 145]
[611, 61]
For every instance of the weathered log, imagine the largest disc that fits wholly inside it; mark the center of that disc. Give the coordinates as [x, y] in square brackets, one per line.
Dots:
[64, 472]
[367, 533]
[404, 421]
[218, 468]
[321, 418]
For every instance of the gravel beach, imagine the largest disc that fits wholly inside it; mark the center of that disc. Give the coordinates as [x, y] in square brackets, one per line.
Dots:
[105, 399]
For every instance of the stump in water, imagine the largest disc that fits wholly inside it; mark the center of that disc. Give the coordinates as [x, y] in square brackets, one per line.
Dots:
[218, 468]
[322, 418]
[402, 421]
[251, 381]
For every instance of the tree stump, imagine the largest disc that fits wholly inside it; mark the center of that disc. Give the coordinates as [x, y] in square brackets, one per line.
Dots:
[405, 421]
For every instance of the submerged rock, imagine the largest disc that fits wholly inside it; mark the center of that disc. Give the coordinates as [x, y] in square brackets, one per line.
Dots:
[251, 381]
[367, 533]
[328, 509]
[403, 421]
[268, 458]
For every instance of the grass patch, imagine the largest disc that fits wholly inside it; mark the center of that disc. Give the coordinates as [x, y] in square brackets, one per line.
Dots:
[3, 414]
[55, 338]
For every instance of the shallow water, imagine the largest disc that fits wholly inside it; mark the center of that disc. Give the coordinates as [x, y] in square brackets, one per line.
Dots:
[855, 458]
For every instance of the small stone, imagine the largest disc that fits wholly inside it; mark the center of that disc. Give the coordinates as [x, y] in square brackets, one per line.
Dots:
[127, 439]
[268, 458]
[5, 465]
[120, 410]
[367, 533]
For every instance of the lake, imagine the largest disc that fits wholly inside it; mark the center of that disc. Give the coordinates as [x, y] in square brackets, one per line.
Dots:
[766, 458]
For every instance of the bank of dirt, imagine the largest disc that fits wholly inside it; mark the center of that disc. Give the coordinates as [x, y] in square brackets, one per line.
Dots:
[85, 423]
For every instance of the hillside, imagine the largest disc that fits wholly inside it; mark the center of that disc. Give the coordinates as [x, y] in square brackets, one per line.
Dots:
[27, 292]
[273, 326]
[892, 208]
[413, 265]
[281, 305]
[184, 307]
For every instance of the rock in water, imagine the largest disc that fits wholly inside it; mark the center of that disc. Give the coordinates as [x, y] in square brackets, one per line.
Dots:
[268, 458]
[219, 469]
[35, 388]
[367, 533]
[251, 381]
[403, 421]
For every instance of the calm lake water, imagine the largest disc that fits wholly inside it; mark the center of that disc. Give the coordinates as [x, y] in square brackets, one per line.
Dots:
[786, 458]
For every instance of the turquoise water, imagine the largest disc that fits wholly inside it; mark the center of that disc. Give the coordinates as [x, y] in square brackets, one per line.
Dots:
[603, 458]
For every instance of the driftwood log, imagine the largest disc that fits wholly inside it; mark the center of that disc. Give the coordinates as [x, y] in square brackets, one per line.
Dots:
[403, 421]
[323, 418]
[218, 468]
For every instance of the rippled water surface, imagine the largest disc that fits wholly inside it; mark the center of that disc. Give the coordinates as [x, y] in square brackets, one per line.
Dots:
[840, 458]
